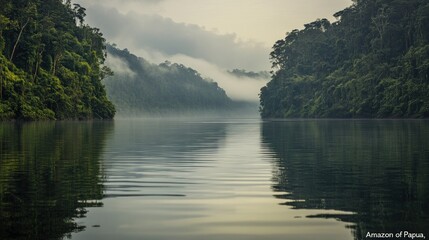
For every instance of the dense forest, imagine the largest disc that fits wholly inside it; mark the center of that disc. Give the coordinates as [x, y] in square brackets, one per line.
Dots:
[373, 62]
[50, 62]
[140, 87]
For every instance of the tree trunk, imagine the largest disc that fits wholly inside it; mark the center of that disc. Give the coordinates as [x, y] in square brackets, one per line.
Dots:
[17, 40]
[57, 59]
[39, 56]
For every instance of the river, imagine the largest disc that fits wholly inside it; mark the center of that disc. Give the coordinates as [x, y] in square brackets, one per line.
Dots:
[208, 178]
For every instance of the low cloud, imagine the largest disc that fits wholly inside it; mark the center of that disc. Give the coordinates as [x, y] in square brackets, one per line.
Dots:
[119, 66]
[158, 39]
[237, 88]
[157, 34]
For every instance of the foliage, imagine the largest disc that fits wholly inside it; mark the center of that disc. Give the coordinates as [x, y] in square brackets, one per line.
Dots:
[372, 63]
[141, 87]
[50, 65]
[250, 74]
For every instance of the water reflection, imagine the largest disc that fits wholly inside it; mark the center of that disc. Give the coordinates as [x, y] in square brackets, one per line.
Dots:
[190, 180]
[213, 179]
[378, 170]
[49, 174]
[158, 157]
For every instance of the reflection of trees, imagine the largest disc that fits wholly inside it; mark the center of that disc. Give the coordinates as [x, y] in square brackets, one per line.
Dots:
[180, 136]
[378, 170]
[49, 173]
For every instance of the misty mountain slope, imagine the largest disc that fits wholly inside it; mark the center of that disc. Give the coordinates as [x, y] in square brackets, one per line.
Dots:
[138, 86]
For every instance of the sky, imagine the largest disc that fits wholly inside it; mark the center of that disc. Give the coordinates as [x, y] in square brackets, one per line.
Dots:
[211, 36]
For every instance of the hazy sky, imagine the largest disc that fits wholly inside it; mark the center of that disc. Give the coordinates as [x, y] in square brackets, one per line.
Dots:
[210, 36]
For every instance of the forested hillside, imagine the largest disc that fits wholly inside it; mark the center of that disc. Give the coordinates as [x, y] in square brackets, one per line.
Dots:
[50, 62]
[139, 87]
[373, 62]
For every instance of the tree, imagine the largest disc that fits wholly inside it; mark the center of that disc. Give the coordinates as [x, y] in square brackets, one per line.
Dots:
[51, 63]
[25, 16]
[372, 62]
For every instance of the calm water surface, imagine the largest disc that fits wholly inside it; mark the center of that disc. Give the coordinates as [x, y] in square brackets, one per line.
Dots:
[213, 179]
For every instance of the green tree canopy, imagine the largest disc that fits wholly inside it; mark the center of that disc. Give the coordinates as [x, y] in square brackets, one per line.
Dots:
[50, 62]
[373, 62]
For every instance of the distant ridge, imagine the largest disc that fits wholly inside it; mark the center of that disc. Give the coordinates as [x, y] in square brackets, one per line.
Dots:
[138, 86]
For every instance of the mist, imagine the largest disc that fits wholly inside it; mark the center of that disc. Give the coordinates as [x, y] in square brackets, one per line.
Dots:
[142, 87]
[155, 34]
[237, 88]
[195, 35]
[159, 39]
[119, 66]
